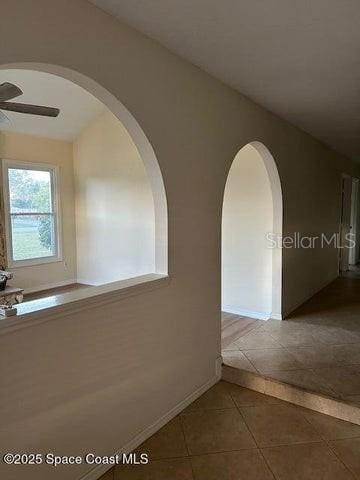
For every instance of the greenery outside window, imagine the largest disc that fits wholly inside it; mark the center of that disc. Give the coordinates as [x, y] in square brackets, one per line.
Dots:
[32, 213]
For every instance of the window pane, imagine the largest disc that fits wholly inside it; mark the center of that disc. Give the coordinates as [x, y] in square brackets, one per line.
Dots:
[30, 191]
[32, 236]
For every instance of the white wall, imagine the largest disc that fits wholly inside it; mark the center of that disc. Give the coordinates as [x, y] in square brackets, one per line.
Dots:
[115, 222]
[345, 229]
[354, 220]
[29, 148]
[247, 218]
[94, 380]
[357, 238]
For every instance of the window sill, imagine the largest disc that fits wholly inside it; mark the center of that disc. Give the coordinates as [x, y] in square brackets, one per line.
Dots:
[14, 264]
[44, 309]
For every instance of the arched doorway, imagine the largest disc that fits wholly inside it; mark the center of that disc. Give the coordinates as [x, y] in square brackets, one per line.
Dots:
[251, 232]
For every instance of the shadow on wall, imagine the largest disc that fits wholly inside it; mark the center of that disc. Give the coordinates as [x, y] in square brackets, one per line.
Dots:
[251, 220]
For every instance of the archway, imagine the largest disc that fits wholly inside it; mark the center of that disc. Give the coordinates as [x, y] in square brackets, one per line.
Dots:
[138, 137]
[251, 232]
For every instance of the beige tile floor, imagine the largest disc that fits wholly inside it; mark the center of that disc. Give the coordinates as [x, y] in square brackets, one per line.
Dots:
[232, 433]
[317, 348]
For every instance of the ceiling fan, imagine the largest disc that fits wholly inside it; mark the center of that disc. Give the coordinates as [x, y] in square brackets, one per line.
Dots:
[8, 91]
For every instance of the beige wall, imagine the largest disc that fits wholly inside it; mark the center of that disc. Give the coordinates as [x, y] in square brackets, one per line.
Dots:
[247, 219]
[27, 148]
[114, 205]
[94, 380]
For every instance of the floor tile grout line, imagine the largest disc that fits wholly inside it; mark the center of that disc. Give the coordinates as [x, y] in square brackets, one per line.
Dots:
[301, 364]
[327, 442]
[230, 332]
[325, 366]
[340, 459]
[281, 348]
[251, 363]
[337, 395]
[324, 442]
[215, 452]
[252, 330]
[298, 409]
[256, 443]
[187, 447]
[183, 414]
[321, 441]
[253, 436]
[184, 436]
[255, 327]
[214, 409]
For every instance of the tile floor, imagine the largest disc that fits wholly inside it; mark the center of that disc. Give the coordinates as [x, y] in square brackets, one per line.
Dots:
[232, 433]
[317, 348]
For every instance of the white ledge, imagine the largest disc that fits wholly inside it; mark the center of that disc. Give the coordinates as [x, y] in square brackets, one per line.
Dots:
[45, 309]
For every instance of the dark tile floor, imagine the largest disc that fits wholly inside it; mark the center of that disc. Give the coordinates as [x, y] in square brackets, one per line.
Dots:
[232, 433]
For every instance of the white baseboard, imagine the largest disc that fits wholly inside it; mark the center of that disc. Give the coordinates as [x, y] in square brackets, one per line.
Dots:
[308, 296]
[276, 316]
[99, 470]
[247, 313]
[48, 286]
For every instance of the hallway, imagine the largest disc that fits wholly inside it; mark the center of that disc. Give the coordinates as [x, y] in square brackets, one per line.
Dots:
[232, 433]
[316, 348]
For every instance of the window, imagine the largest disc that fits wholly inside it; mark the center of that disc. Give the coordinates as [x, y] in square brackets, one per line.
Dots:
[32, 217]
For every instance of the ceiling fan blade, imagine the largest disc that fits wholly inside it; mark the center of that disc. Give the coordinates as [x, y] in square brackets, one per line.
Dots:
[30, 109]
[9, 91]
[4, 118]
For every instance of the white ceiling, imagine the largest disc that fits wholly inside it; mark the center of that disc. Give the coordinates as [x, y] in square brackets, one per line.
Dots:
[77, 107]
[298, 58]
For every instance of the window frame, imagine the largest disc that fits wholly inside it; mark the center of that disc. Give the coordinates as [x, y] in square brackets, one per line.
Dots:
[55, 201]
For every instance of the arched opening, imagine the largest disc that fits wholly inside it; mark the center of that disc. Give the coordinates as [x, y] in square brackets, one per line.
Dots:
[251, 232]
[110, 210]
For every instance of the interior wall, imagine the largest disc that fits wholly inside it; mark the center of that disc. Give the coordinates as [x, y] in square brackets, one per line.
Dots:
[28, 148]
[345, 230]
[115, 219]
[354, 220]
[246, 221]
[124, 366]
[357, 234]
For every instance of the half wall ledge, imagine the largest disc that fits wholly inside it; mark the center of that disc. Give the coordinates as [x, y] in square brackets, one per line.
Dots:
[45, 309]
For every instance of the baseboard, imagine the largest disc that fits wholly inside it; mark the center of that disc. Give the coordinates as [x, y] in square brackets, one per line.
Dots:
[49, 286]
[276, 316]
[99, 470]
[307, 297]
[246, 313]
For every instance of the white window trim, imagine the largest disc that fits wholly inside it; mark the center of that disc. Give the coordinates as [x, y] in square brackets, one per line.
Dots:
[55, 189]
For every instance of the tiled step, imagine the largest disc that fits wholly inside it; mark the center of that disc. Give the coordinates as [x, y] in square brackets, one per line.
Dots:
[294, 394]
